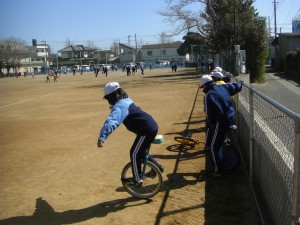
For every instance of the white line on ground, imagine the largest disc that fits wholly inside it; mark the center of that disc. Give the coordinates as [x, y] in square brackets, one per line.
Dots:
[4, 106]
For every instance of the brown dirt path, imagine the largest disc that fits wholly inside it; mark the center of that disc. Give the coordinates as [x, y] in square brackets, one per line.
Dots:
[52, 173]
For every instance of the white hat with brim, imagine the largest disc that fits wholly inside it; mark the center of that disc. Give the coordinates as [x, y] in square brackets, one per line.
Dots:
[217, 75]
[110, 88]
[217, 69]
[204, 79]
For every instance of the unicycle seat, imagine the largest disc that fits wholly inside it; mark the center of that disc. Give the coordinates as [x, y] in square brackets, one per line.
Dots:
[158, 139]
[233, 127]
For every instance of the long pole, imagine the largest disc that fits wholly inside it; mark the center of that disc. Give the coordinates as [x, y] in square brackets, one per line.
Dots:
[135, 48]
[45, 47]
[275, 26]
[234, 31]
[80, 60]
[56, 61]
[161, 53]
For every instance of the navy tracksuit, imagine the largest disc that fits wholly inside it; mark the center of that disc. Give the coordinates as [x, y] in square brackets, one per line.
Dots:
[220, 115]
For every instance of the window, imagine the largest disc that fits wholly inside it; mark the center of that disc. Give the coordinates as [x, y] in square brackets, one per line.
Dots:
[149, 53]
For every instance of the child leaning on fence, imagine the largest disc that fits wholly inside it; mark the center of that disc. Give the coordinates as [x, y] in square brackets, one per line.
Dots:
[220, 114]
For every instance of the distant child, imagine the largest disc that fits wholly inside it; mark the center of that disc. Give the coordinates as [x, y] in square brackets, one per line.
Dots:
[48, 78]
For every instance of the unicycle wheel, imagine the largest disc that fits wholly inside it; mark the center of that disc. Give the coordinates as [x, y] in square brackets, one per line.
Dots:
[231, 158]
[151, 185]
[186, 141]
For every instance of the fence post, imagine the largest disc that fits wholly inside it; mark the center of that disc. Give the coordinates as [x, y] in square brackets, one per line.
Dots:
[296, 185]
[251, 124]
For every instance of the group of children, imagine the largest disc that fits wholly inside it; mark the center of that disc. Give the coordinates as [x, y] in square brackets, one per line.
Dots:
[54, 74]
[219, 111]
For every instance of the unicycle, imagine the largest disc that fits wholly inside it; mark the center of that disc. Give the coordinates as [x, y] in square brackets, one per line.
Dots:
[186, 140]
[151, 175]
[228, 155]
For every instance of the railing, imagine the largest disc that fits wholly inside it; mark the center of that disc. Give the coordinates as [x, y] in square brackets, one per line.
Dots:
[269, 136]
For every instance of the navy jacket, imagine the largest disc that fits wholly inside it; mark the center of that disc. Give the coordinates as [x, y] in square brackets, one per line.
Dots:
[217, 102]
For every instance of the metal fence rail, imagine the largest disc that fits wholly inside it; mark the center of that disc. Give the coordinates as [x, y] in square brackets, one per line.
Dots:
[269, 136]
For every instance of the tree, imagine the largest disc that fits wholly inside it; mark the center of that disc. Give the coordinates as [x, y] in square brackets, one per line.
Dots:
[257, 49]
[68, 43]
[192, 39]
[90, 44]
[115, 47]
[221, 24]
[164, 38]
[12, 50]
[180, 16]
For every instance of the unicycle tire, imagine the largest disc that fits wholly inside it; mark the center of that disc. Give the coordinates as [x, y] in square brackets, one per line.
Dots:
[186, 141]
[151, 185]
[229, 159]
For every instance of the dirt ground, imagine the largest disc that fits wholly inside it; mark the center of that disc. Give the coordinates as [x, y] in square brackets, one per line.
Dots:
[52, 173]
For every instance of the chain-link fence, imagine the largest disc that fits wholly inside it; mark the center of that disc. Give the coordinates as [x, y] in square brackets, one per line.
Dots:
[232, 60]
[269, 136]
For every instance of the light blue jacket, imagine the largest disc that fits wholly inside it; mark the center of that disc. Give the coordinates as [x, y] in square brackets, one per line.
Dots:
[135, 119]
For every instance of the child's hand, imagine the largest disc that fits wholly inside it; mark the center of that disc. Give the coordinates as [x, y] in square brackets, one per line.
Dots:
[100, 144]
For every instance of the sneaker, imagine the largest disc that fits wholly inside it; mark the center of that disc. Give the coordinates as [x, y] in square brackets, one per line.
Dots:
[160, 167]
[216, 174]
[206, 149]
[132, 182]
[151, 174]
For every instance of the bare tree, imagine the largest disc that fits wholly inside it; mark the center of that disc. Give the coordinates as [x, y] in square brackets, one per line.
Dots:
[12, 50]
[91, 44]
[182, 16]
[165, 38]
[68, 43]
[115, 47]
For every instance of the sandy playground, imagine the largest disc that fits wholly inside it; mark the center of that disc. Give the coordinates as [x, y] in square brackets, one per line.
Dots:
[52, 173]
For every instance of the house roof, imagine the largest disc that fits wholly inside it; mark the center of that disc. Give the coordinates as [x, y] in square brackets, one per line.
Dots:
[76, 48]
[295, 34]
[164, 45]
[127, 46]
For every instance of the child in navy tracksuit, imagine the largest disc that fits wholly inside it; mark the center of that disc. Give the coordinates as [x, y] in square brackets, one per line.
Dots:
[220, 114]
[123, 110]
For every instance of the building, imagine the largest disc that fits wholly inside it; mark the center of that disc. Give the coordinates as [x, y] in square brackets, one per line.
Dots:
[77, 52]
[127, 54]
[38, 59]
[80, 54]
[284, 43]
[162, 54]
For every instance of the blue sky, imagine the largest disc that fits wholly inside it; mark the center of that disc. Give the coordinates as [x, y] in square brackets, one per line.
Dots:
[102, 22]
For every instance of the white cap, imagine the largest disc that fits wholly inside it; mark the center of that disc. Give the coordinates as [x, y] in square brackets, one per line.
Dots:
[217, 75]
[217, 69]
[204, 79]
[110, 88]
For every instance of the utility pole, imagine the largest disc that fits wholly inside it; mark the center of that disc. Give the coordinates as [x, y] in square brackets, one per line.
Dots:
[234, 31]
[269, 27]
[57, 61]
[275, 26]
[129, 39]
[135, 47]
[46, 53]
